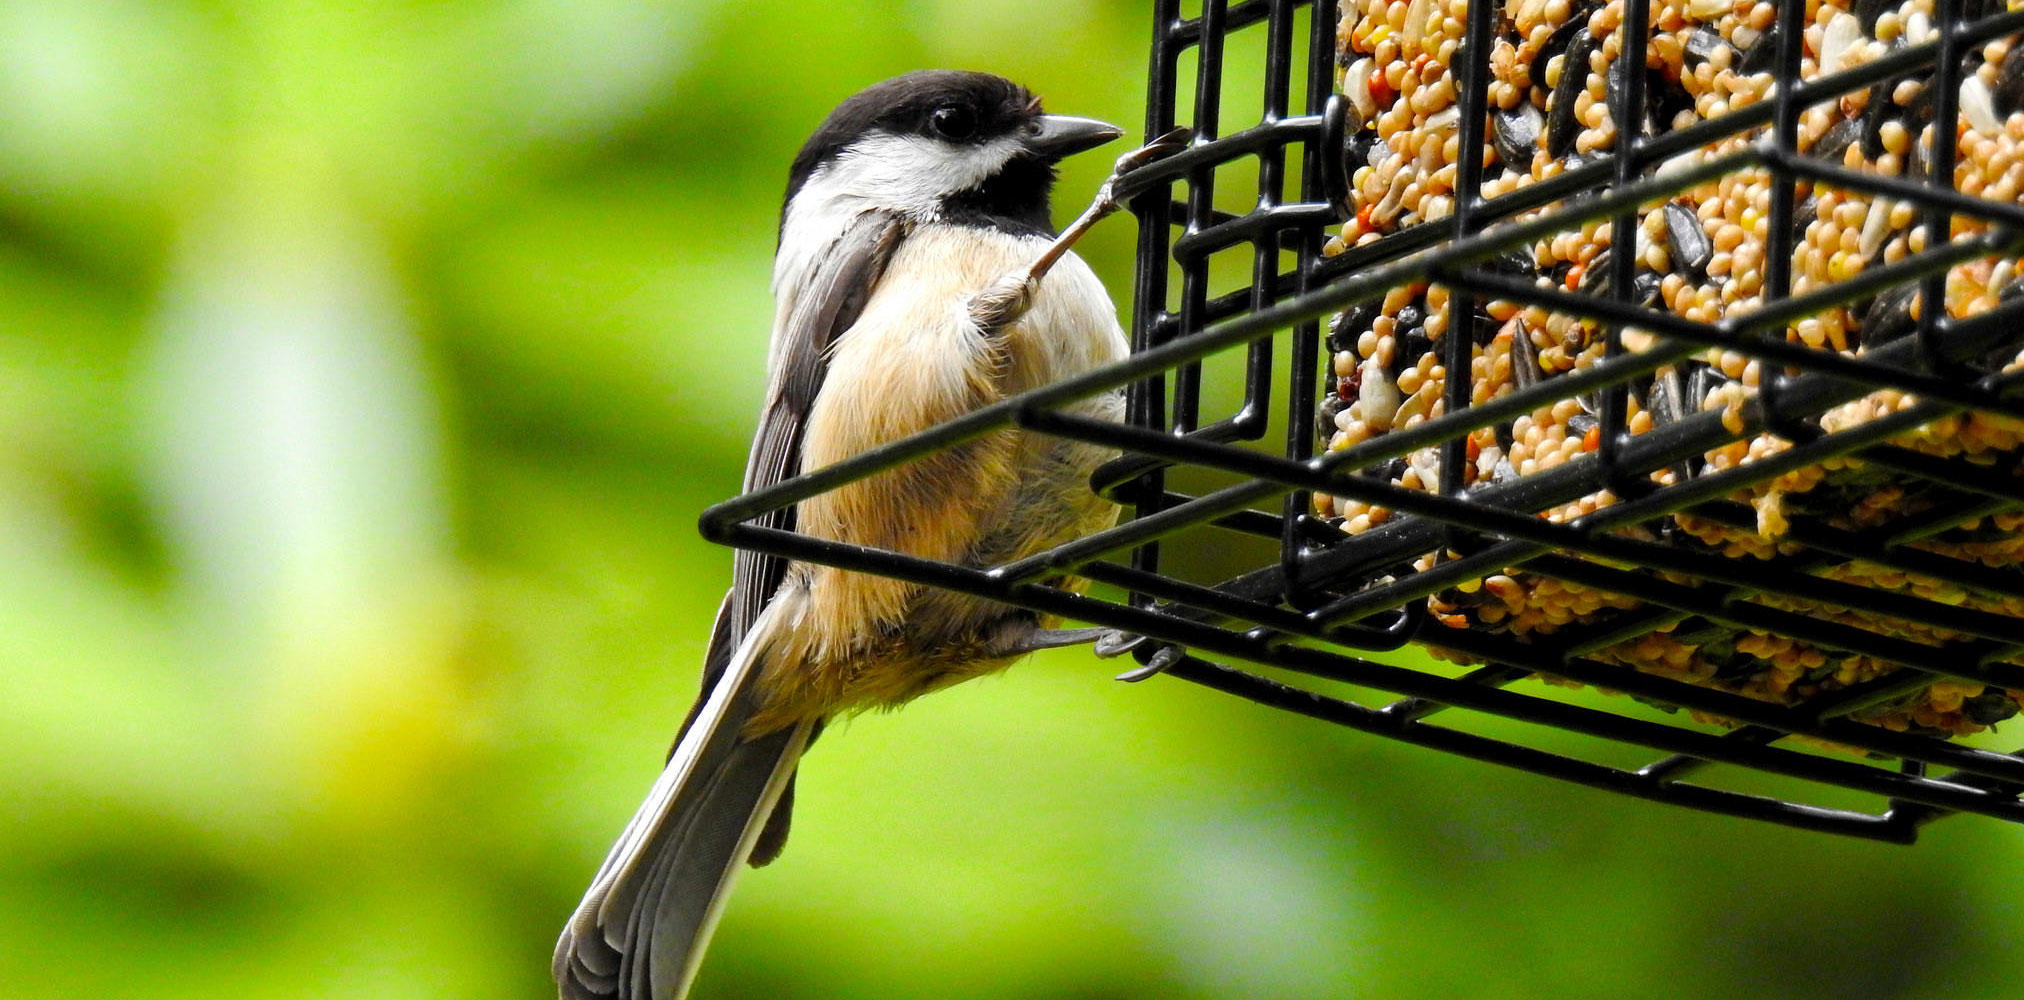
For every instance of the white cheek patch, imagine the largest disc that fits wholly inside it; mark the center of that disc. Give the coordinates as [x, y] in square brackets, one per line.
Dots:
[910, 174]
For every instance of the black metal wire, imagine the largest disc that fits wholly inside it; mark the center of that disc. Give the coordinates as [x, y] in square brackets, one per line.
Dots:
[1328, 595]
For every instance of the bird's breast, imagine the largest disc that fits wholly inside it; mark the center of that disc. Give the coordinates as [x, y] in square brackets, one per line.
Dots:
[914, 359]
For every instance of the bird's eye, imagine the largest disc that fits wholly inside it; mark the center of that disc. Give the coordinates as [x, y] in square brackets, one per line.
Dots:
[953, 122]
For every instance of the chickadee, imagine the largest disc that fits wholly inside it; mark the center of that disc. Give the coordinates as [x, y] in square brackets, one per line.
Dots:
[917, 278]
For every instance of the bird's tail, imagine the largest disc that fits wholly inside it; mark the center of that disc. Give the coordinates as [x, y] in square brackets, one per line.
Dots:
[640, 931]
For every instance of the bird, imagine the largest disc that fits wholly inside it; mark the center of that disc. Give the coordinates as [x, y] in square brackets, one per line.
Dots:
[917, 277]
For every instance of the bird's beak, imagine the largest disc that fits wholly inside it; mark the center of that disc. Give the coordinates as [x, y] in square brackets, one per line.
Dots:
[1056, 136]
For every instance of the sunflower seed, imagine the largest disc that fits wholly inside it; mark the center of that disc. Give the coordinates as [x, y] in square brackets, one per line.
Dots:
[1359, 147]
[1889, 315]
[1645, 290]
[1557, 44]
[1880, 109]
[1596, 280]
[1701, 45]
[1524, 355]
[1834, 143]
[1701, 382]
[1761, 54]
[1414, 344]
[1482, 327]
[1687, 242]
[1512, 262]
[2009, 93]
[1561, 124]
[1989, 707]
[1350, 325]
[1516, 135]
[1667, 398]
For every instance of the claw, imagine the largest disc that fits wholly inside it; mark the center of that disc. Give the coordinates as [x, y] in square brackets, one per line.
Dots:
[1158, 149]
[1002, 302]
[1165, 657]
[1115, 191]
[993, 313]
[1034, 640]
[1116, 644]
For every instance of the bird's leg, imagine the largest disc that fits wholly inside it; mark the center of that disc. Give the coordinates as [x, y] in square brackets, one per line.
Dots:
[1002, 302]
[1008, 298]
[1019, 641]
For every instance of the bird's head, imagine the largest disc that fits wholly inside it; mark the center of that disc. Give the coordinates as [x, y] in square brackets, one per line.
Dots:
[941, 145]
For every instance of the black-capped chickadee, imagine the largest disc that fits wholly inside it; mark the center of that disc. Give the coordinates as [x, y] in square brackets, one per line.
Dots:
[918, 278]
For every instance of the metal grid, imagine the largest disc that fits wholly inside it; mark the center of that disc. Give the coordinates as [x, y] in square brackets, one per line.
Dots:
[1245, 477]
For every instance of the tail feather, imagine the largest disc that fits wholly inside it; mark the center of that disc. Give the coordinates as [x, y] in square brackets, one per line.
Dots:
[639, 932]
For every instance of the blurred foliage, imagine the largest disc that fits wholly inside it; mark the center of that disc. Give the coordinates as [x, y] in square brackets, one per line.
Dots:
[363, 368]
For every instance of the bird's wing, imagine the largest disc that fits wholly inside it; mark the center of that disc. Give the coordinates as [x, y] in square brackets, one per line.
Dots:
[641, 928]
[824, 303]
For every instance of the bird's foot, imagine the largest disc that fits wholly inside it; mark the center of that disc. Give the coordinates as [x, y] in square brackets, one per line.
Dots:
[1116, 643]
[1002, 302]
[1117, 189]
[1162, 658]
[1007, 299]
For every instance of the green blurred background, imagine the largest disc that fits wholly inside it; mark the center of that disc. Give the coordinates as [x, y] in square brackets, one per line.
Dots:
[363, 369]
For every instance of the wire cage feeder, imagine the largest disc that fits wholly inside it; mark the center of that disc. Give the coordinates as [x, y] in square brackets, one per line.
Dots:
[1265, 261]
